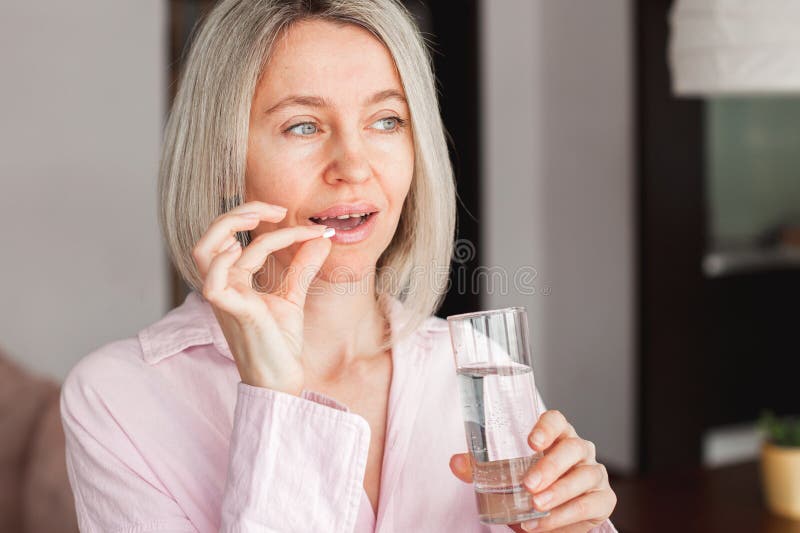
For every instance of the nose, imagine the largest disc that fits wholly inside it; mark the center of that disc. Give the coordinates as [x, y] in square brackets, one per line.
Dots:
[349, 160]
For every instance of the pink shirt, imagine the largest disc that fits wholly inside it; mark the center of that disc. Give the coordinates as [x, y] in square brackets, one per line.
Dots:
[163, 436]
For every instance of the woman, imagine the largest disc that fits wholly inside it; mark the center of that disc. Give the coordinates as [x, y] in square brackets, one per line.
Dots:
[304, 384]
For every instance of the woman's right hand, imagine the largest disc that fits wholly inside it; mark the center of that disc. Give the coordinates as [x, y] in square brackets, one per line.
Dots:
[264, 330]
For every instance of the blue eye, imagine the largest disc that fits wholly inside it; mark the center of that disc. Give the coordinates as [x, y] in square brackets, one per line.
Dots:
[306, 128]
[395, 123]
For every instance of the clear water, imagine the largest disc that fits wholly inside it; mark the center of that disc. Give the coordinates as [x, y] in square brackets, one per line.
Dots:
[499, 413]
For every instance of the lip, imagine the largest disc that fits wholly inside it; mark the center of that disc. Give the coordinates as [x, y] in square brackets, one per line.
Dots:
[357, 234]
[346, 209]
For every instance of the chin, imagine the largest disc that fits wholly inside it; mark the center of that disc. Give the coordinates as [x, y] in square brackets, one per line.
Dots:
[347, 268]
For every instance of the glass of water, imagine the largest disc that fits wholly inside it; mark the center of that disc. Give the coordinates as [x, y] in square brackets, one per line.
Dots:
[500, 408]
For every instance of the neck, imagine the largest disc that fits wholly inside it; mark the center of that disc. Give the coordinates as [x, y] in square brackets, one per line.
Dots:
[343, 328]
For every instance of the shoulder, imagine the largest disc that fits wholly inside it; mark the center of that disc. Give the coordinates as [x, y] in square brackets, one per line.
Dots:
[125, 368]
[110, 371]
[190, 324]
[435, 328]
[112, 361]
[436, 324]
[433, 336]
[116, 417]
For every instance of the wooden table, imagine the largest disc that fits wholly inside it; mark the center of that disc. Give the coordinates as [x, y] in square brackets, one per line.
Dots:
[720, 500]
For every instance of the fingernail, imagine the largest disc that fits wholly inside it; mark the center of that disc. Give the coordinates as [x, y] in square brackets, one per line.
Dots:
[530, 525]
[328, 233]
[537, 438]
[460, 463]
[543, 498]
[532, 481]
[251, 215]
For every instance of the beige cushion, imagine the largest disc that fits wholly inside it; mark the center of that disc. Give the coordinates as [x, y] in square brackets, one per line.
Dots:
[48, 505]
[34, 490]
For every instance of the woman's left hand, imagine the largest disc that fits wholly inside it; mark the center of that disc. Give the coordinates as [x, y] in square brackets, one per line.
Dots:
[568, 481]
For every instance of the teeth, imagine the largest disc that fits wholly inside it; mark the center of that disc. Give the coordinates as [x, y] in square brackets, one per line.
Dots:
[342, 217]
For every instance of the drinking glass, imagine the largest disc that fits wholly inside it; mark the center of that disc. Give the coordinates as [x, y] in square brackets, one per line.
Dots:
[500, 408]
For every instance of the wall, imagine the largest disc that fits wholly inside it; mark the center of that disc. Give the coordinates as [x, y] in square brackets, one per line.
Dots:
[83, 100]
[558, 196]
[82, 263]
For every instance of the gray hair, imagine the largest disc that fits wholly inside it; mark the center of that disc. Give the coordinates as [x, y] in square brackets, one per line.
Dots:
[202, 171]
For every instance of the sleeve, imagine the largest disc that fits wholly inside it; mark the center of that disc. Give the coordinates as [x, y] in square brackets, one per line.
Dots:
[309, 480]
[314, 481]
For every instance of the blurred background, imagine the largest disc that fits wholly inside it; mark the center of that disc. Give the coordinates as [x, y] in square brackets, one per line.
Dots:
[638, 160]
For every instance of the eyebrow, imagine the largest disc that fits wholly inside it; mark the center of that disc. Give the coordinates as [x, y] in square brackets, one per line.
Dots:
[318, 101]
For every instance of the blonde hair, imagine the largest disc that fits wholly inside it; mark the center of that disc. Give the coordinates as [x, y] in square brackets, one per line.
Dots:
[202, 172]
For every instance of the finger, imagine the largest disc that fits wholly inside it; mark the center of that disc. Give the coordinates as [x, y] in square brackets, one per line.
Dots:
[588, 510]
[255, 255]
[225, 226]
[304, 268]
[577, 481]
[215, 287]
[255, 206]
[558, 460]
[550, 426]
[222, 289]
[461, 467]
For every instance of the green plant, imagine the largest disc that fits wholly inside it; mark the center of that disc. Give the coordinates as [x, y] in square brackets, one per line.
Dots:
[780, 431]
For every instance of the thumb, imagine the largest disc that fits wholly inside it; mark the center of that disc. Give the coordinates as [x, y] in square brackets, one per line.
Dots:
[304, 268]
[460, 465]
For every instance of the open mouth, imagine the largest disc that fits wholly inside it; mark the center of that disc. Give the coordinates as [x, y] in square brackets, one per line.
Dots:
[344, 222]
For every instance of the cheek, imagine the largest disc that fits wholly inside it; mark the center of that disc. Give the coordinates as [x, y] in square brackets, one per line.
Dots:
[263, 164]
[399, 189]
[396, 163]
[276, 175]
[403, 170]
[274, 178]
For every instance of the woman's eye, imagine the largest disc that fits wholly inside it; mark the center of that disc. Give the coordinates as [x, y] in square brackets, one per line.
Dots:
[389, 123]
[303, 129]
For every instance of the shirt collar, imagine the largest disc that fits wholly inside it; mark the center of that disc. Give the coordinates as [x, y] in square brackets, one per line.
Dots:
[193, 323]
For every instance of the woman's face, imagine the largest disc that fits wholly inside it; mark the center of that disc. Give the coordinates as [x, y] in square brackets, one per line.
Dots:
[324, 132]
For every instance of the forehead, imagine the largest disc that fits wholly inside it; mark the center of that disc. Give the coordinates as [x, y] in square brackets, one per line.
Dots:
[328, 59]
